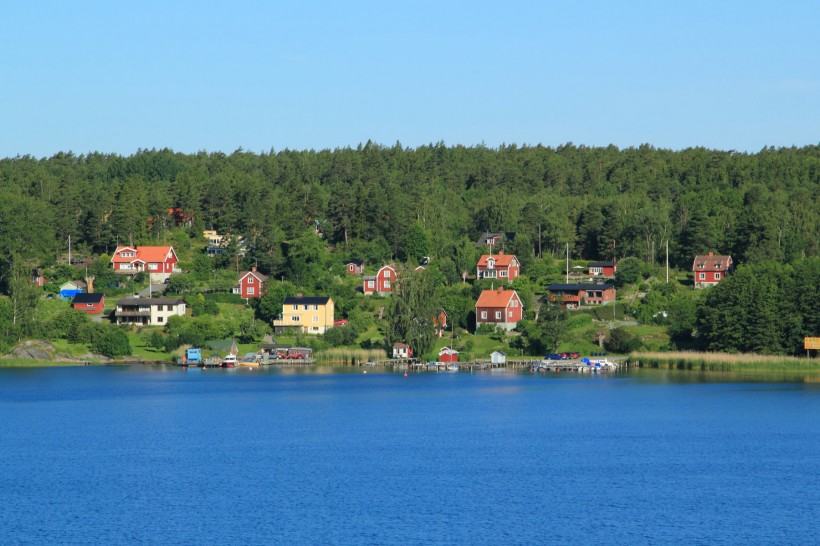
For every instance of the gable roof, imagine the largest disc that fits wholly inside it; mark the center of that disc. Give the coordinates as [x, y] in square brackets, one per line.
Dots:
[602, 264]
[153, 254]
[89, 298]
[309, 300]
[357, 263]
[79, 285]
[503, 236]
[502, 260]
[711, 262]
[221, 344]
[256, 274]
[496, 298]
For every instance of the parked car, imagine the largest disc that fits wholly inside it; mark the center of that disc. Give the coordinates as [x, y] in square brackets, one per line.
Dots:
[555, 356]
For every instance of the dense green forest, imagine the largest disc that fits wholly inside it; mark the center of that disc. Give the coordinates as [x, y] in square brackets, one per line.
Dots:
[380, 203]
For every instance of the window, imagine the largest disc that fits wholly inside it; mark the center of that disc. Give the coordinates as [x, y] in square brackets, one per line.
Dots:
[306, 307]
[702, 276]
[89, 305]
[498, 315]
[160, 319]
[387, 284]
[315, 328]
[509, 314]
[153, 267]
[315, 318]
[387, 274]
[490, 264]
[251, 291]
[250, 279]
[717, 276]
[295, 318]
[502, 273]
[371, 284]
[295, 307]
[315, 307]
[484, 314]
[514, 303]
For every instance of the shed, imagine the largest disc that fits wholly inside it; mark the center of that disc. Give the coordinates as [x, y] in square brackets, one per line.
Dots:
[498, 357]
[447, 354]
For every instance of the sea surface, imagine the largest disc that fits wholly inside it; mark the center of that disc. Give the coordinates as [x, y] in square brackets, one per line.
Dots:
[159, 455]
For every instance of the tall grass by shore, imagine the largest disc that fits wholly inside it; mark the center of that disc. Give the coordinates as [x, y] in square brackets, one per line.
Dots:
[721, 361]
[350, 357]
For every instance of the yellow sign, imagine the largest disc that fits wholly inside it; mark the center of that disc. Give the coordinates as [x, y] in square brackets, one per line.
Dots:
[811, 343]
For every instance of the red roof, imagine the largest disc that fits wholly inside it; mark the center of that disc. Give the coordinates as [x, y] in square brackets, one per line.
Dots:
[501, 260]
[711, 262]
[147, 254]
[496, 298]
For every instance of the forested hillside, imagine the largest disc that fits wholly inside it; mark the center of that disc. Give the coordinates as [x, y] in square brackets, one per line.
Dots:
[607, 203]
[303, 213]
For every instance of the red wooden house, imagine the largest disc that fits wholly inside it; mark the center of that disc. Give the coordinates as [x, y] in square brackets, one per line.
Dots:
[602, 269]
[354, 267]
[89, 303]
[382, 282]
[501, 308]
[498, 266]
[251, 284]
[159, 260]
[572, 296]
[711, 269]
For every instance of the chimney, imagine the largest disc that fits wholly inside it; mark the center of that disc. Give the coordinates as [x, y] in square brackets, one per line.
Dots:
[711, 253]
[89, 281]
[501, 252]
[253, 268]
[299, 295]
[500, 289]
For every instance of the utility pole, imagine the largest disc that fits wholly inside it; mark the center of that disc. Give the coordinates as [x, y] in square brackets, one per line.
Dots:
[567, 262]
[667, 261]
[69, 250]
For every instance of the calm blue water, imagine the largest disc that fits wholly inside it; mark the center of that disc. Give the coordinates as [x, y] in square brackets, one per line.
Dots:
[105, 455]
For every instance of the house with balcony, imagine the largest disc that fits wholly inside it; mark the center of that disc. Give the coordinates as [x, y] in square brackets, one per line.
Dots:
[158, 261]
[148, 311]
[573, 296]
[308, 314]
[505, 267]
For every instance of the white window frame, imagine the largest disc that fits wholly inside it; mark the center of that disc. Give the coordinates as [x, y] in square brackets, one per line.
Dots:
[250, 279]
[483, 315]
[717, 276]
[502, 273]
[701, 276]
[387, 284]
[251, 291]
[498, 315]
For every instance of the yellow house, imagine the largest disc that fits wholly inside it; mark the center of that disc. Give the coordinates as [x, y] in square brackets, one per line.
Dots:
[313, 314]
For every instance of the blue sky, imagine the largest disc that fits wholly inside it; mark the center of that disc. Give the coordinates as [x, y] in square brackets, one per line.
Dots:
[217, 76]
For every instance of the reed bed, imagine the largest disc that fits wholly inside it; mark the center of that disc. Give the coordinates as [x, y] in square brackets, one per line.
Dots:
[350, 357]
[721, 361]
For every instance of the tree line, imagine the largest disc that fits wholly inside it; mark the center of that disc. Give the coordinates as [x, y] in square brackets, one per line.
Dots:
[607, 203]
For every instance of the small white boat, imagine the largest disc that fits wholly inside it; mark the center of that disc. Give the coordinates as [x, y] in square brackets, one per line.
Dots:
[452, 368]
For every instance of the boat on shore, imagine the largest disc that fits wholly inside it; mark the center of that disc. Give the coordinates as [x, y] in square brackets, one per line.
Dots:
[230, 361]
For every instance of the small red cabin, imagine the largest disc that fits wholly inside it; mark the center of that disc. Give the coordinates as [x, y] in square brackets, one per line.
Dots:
[602, 269]
[447, 354]
[89, 303]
